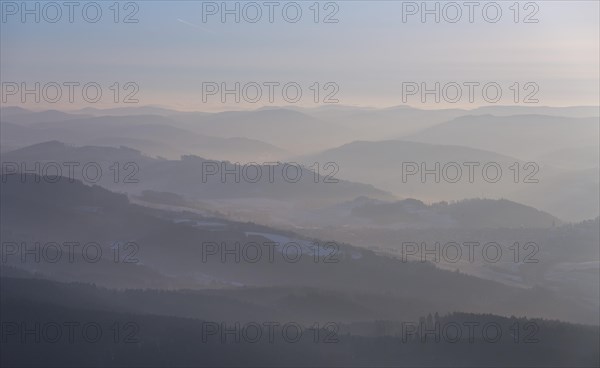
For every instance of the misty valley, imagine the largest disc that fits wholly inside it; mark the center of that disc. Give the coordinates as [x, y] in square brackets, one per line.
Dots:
[299, 184]
[216, 257]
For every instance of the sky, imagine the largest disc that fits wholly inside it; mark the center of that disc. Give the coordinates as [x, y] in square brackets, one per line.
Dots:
[368, 54]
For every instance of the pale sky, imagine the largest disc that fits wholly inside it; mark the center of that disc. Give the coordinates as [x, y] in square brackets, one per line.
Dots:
[369, 53]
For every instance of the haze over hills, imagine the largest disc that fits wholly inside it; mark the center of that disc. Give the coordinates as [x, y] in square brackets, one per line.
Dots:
[382, 124]
[194, 180]
[524, 136]
[571, 195]
[173, 251]
[304, 130]
[566, 111]
[154, 135]
[436, 172]
[295, 131]
[411, 213]
[153, 174]
[383, 163]
[241, 138]
[356, 238]
[17, 115]
[573, 158]
[352, 232]
[351, 184]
